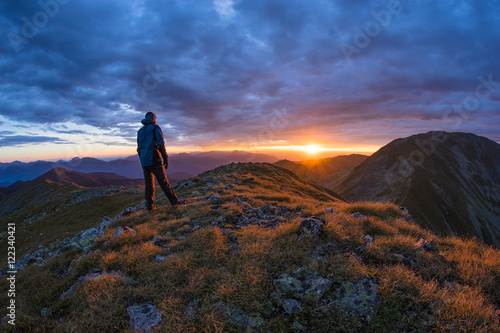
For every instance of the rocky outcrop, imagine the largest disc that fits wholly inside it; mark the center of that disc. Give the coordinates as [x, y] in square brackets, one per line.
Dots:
[143, 317]
[236, 316]
[312, 226]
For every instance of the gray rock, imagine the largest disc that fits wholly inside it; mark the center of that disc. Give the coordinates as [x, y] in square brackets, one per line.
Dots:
[289, 285]
[123, 231]
[331, 211]
[144, 317]
[291, 305]
[159, 258]
[424, 245]
[312, 226]
[359, 216]
[214, 198]
[106, 221]
[301, 273]
[357, 297]
[156, 239]
[316, 286]
[367, 239]
[196, 194]
[236, 316]
[45, 312]
[86, 238]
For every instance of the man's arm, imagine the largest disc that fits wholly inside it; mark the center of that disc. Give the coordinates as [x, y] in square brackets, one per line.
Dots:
[160, 143]
[138, 149]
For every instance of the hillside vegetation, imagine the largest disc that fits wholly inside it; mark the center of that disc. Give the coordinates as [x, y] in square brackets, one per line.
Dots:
[234, 260]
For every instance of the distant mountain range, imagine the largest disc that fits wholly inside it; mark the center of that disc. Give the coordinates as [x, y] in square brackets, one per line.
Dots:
[182, 166]
[65, 176]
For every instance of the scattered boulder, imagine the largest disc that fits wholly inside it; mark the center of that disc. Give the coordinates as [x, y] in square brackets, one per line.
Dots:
[315, 287]
[156, 239]
[86, 238]
[46, 312]
[357, 297]
[289, 285]
[106, 221]
[367, 239]
[302, 284]
[406, 213]
[359, 216]
[331, 211]
[291, 306]
[214, 198]
[143, 317]
[236, 316]
[424, 245]
[311, 226]
[123, 230]
[159, 258]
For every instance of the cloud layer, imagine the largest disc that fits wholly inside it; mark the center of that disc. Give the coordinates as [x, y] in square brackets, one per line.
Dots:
[251, 72]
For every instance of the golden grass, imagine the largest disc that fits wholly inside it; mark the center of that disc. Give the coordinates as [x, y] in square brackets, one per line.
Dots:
[454, 289]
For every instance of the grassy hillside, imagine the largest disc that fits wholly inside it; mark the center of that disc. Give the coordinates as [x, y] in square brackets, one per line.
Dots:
[232, 260]
[47, 211]
[453, 188]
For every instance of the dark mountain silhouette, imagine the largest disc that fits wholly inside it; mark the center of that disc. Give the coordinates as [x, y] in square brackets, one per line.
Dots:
[65, 176]
[449, 181]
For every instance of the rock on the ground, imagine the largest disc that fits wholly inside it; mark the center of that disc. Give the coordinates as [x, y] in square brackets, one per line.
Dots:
[236, 316]
[291, 305]
[424, 245]
[316, 287]
[143, 317]
[357, 297]
[311, 226]
[123, 231]
[359, 216]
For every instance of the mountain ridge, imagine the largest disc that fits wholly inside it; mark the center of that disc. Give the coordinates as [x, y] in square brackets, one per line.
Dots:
[449, 181]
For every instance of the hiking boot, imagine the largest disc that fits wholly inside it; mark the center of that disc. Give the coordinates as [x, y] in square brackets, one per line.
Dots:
[152, 208]
[180, 202]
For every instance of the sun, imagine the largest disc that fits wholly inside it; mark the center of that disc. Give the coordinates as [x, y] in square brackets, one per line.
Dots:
[311, 150]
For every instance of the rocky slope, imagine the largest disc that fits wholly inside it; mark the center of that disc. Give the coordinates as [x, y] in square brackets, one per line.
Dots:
[449, 181]
[256, 249]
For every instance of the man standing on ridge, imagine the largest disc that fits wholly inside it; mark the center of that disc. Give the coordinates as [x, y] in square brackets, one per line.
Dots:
[154, 160]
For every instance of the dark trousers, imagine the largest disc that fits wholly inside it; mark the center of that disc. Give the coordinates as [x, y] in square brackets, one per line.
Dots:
[159, 172]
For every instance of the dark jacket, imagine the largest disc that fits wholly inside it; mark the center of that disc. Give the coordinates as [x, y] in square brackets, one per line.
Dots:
[150, 144]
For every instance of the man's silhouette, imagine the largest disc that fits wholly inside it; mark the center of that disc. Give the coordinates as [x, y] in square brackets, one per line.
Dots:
[154, 160]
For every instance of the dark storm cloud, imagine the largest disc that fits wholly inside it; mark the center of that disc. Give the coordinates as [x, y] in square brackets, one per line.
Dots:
[216, 75]
[15, 140]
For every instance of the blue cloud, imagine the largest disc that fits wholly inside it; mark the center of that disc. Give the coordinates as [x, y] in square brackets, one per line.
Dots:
[215, 73]
[15, 140]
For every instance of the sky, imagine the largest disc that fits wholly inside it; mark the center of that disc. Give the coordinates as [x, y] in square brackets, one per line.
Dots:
[318, 77]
